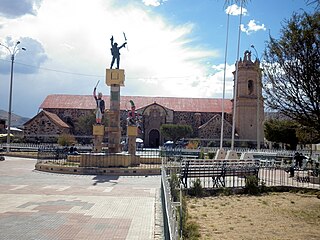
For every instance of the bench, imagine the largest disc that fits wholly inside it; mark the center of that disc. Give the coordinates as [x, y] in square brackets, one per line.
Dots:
[217, 170]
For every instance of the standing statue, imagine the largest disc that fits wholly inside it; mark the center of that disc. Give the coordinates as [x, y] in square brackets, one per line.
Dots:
[100, 106]
[134, 119]
[115, 52]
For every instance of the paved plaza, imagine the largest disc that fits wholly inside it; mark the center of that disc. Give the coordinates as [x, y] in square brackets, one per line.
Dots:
[39, 205]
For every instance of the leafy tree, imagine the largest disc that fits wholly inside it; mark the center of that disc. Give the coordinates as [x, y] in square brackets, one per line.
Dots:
[84, 124]
[66, 140]
[306, 135]
[292, 70]
[175, 131]
[316, 2]
[281, 131]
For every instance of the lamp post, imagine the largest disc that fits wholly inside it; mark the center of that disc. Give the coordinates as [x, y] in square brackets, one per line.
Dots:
[235, 89]
[258, 104]
[12, 52]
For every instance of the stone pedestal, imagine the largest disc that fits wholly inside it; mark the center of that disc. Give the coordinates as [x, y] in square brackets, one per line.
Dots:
[221, 154]
[98, 133]
[132, 136]
[231, 154]
[114, 79]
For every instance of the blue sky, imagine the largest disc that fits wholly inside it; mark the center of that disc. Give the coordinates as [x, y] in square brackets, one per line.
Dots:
[175, 47]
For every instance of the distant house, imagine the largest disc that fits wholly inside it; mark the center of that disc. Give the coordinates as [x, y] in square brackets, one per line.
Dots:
[45, 127]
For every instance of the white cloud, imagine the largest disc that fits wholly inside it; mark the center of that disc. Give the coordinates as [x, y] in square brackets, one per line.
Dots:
[252, 26]
[154, 3]
[235, 10]
[16, 8]
[75, 36]
[34, 55]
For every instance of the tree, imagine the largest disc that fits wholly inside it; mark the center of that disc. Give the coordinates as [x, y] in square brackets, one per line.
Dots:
[175, 132]
[281, 131]
[292, 71]
[316, 2]
[84, 124]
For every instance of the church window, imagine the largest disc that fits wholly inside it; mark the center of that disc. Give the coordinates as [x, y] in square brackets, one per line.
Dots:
[250, 87]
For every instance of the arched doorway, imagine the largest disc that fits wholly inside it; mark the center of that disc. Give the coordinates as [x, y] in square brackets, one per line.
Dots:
[154, 138]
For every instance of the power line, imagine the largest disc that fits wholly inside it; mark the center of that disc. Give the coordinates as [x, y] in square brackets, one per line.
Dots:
[97, 76]
[55, 70]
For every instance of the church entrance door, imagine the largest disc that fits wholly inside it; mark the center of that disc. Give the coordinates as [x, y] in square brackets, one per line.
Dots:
[154, 138]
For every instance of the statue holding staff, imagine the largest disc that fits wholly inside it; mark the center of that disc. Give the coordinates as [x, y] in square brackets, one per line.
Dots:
[115, 51]
[100, 105]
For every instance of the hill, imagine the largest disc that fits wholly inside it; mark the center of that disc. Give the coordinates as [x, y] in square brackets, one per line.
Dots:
[16, 120]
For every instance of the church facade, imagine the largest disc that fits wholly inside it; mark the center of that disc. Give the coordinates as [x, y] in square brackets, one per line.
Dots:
[60, 113]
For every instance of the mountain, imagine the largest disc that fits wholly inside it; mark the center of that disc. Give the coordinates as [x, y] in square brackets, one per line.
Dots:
[16, 120]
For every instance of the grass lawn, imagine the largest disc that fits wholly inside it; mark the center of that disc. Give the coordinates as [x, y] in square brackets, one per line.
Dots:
[271, 216]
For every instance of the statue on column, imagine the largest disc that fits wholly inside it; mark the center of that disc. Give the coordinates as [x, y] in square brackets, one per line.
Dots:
[100, 106]
[115, 51]
[134, 119]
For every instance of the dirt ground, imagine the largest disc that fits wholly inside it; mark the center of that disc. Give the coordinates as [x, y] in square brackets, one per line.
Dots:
[273, 216]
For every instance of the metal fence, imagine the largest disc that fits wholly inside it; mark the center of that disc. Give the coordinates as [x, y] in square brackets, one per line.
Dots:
[271, 173]
[169, 207]
[268, 176]
[147, 158]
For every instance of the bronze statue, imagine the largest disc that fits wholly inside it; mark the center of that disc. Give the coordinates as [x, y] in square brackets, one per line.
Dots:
[115, 52]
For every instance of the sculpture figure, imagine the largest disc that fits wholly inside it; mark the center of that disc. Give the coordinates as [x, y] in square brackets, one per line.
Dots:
[115, 52]
[247, 55]
[134, 119]
[100, 106]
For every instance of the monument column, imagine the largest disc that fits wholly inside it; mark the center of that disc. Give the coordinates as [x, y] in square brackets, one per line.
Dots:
[114, 79]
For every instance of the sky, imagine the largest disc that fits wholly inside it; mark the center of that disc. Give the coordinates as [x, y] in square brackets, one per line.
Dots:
[175, 48]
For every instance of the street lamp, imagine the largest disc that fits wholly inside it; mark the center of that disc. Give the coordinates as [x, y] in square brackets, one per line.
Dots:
[12, 52]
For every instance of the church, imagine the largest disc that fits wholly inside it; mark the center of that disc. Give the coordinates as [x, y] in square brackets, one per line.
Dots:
[59, 113]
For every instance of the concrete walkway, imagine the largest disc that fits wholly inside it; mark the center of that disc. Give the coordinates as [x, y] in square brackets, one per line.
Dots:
[39, 205]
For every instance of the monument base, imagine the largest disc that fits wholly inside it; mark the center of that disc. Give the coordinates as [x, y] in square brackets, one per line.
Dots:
[114, 160]
[98, 133]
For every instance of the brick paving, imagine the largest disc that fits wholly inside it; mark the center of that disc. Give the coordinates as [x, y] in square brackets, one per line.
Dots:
[39, 205]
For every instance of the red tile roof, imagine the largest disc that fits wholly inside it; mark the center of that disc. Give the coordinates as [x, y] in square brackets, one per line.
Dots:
[53, 117]
[63, 101]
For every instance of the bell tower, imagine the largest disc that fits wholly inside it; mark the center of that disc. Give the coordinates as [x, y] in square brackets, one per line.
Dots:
[249, 101]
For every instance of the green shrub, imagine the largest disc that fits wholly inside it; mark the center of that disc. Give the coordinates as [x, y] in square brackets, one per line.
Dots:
[211, 155]
[66, 140]
[227, 191]
[252, 185]
[201, 154]
[191, 231]
[174, 187]
[196, 188]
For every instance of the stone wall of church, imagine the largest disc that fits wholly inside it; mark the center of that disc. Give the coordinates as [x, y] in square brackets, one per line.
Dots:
[212, 130]
[195, 120]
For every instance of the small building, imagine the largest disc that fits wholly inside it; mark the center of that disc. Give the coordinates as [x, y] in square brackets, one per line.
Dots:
[45, 127]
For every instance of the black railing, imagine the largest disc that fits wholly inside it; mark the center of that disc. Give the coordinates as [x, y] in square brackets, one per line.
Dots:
[144, 158]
